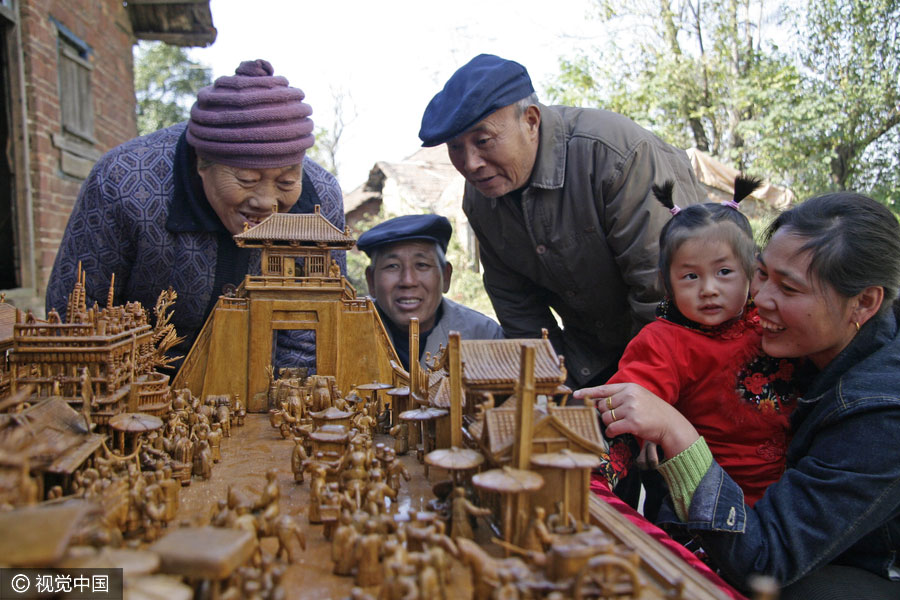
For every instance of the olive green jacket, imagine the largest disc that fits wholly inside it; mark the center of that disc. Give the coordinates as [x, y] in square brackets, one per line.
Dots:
[583, 239]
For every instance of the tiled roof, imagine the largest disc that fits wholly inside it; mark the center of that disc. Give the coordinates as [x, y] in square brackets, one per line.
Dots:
[288, 227]
[488, 362]
[580, 419]
[422, 177]
[51, 434]
[500, 426]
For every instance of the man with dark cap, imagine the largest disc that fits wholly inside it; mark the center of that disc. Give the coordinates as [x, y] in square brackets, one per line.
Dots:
[161, 210]
[408, 276]
[560, 200]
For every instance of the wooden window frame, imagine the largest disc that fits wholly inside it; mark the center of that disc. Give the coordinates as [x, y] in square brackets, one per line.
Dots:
[76, 96]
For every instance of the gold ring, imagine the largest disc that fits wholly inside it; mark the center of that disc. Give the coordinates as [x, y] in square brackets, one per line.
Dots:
[609, 402]
[613, 413]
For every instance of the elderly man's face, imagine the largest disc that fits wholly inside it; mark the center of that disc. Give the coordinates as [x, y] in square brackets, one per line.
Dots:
[407, 281]
[498, 154]
[248, 195]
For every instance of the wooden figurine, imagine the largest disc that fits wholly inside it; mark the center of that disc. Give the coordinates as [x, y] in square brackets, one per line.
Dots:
[298, 459]
[354, 471]
[223, 415]
[317, 483]
[153, 505]
[377, 493]
[222, 515]
[368, 556]
[461, 511]
[394, 469]
[343, 544]
[321, 395]
[537, 536]
[170, 488]
[214, 437]
[400, 433]
[562, 521]
[239, 411]
[365, 423]
[203, 461]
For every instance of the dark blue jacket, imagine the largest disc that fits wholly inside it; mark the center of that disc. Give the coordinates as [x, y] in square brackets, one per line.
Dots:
[142, 215]
[838, 501]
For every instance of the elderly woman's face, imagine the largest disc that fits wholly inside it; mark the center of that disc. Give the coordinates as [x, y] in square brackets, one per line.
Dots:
[249, 195]
[800, 316]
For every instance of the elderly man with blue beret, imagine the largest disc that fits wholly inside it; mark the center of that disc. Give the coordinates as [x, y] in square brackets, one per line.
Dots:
[560, 200]
[408, 277]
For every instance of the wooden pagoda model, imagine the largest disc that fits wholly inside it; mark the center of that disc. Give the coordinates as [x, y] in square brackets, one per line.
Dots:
[300, 288]
[102, 356]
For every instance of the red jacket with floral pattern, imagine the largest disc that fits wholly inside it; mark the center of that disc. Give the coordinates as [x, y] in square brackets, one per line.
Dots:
[738, 398]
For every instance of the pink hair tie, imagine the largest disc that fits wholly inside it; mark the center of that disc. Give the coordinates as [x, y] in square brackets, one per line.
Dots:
[675, 209]
[732, 204]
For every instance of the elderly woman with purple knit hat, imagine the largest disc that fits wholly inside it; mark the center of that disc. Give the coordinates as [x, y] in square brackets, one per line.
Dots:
[161, 210]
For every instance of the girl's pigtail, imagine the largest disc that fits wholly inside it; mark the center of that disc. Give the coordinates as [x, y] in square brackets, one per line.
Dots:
[665, 196]
[743, 187]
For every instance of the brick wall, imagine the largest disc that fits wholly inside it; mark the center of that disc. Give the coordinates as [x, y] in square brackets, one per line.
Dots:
[104, 26]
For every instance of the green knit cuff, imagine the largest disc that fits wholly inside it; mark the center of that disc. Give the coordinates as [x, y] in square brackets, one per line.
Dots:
[683, 473]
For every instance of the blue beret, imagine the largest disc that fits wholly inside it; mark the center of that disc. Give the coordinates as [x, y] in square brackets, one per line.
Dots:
[408, 227]
[483, 85]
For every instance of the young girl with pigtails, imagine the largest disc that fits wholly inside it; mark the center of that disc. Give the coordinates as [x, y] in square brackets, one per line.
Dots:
[703, 352]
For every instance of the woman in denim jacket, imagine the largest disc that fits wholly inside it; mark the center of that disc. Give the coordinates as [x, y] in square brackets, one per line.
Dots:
[830, 527]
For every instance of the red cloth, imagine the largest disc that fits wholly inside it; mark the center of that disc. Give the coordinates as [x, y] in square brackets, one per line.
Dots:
[601, 489]
[736, 397]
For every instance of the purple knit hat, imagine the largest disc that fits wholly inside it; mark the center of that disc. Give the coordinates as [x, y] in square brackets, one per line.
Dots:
[251, 120]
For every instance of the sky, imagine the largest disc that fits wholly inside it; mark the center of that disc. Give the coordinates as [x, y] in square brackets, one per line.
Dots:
[389, 58]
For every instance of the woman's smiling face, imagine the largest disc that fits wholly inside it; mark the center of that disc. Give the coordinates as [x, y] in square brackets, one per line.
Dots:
[800, 315]
[249, 195]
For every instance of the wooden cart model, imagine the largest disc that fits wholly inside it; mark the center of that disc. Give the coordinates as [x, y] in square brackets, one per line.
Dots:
[587, 565]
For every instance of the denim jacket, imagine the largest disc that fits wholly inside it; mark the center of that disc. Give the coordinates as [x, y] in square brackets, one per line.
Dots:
[838, 501]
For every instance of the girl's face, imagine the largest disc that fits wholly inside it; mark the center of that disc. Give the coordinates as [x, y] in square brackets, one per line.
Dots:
[800, 315]
[708, 282]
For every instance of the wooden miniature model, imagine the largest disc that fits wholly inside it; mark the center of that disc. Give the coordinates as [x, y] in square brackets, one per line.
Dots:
[204, 553]
[462, 509]
[294, 291]
[9, 316]
[472, 370]
[30, 463]
[116, 345]
[540, 453]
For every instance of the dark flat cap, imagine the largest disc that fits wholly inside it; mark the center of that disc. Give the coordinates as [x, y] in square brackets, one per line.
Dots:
[408, 227]
[483, 85]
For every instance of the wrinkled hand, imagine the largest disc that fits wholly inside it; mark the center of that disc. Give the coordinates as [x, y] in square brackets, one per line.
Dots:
[630, 408]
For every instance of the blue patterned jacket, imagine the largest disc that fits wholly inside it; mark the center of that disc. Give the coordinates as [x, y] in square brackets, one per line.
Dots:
[142, 215]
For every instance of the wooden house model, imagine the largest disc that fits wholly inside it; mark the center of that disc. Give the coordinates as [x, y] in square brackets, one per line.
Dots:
[49, 440]
[488, 372]
[112, 349]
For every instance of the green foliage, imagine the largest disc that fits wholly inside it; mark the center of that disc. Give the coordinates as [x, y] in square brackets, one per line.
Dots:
[166, 82]
[466, 285]
[823, 116]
